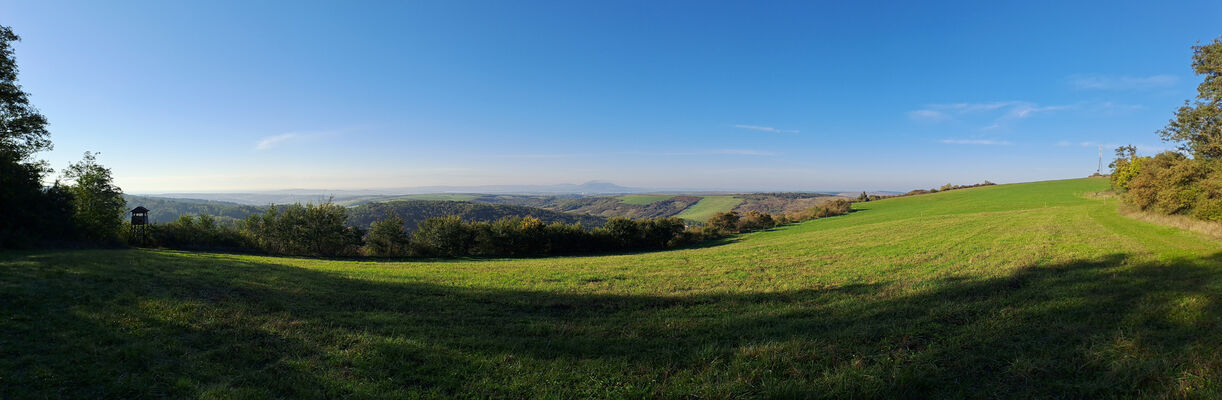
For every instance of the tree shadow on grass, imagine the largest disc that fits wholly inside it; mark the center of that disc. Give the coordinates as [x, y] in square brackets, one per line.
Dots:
[141, 324]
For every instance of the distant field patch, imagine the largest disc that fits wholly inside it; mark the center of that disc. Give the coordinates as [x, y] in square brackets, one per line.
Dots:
[644, 199]
[709, 205]
[438, 197]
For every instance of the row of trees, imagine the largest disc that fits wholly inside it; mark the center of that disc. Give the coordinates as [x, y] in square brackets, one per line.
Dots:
[320, 230]
[84, 205]
[1188, 181]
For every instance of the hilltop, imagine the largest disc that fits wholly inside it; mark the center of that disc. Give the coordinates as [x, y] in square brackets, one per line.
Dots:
[1014, 291]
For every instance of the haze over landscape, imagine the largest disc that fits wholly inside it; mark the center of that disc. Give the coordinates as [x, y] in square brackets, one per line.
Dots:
[616, 199]
[811, 96]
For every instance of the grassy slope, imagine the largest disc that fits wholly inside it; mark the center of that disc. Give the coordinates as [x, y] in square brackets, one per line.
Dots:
[709, 205]
[1017, 291]
[643, 199]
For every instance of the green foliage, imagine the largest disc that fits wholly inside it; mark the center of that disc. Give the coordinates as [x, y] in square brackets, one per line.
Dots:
[1197, 125]
[1126, 166]
[1172, 183]
[387, 238]
[98, 203]
[725, 222]
[163, 210]
[529, 236]
[414, 211]
[32, 214]
[23, 130]
[443, 236]
[829, 208]
[201, 232]
[309, 229]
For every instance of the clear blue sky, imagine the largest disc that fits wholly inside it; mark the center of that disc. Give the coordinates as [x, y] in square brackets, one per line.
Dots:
[813, 95]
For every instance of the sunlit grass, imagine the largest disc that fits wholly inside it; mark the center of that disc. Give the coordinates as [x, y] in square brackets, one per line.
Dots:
[709, 205]
[1021, 291]
[643, 199]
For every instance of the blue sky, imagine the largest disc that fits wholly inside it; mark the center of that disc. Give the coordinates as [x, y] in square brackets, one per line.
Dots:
[233, 96]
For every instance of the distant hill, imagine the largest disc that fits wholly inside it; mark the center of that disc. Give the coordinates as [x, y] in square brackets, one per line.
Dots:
[263, 198]
[162, 210]
[415, 211]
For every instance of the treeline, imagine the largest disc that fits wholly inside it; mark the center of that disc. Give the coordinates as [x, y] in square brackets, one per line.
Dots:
[413, 212]
[943, 188]
[321, 230]
[82, 207]
[163, 210]
[1172, 182]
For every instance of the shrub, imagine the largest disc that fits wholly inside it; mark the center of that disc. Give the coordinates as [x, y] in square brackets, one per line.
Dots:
[387, 238]
[443, 236]
[298, 229]
[722, 222]
[192, 233]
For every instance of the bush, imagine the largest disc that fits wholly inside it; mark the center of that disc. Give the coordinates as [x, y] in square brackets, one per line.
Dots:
[722, 223]
[191, 233]
[444, 236]
[387, 238]
[298, 229]
[828, 209]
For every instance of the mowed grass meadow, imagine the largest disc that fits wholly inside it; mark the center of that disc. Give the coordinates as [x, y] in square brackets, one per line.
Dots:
[643, 199]
[709, 205]
[1037, 290]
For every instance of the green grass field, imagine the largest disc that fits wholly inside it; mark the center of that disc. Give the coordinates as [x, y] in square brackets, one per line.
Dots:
[643, 199]
[1014, 291]
[709, 205]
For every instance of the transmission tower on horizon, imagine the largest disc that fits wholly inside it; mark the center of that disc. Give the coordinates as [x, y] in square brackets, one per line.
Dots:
[1099, 170]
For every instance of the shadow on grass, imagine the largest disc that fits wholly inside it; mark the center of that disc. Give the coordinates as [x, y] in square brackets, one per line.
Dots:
[126, 324]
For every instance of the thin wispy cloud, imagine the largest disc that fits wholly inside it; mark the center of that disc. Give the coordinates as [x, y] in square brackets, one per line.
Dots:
[766, 129]
[1108, 82]
[273, 141]
[983, 142]
[928, 115]
[542, 156]
[1024, 110]
[1066, 143]
[731, 152]
[990, 115]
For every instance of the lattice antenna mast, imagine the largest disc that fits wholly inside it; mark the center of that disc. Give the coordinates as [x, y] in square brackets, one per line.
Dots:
[1100, 169]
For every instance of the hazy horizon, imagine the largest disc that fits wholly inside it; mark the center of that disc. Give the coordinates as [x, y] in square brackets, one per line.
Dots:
[240, 97]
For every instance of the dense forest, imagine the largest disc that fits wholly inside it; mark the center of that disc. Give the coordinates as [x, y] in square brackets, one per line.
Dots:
[162, 210]
[415, 211]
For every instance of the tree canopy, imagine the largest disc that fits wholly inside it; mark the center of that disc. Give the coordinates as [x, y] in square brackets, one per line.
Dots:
[1197, 125]
[23, 130]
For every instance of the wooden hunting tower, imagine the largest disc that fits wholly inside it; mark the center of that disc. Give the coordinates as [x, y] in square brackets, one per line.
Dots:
[140, 221]
[140, 216]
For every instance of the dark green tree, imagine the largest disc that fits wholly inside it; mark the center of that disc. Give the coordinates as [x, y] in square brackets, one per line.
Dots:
[98, 203]
[1197, 126]
[387, 238]
[23, 132]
